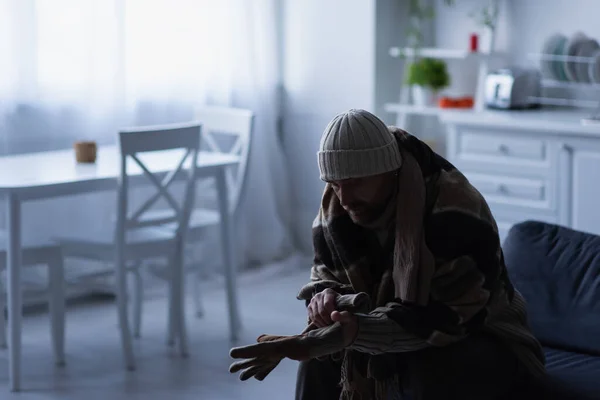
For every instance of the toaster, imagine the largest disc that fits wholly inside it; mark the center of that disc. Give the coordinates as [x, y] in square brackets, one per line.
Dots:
[513, 88]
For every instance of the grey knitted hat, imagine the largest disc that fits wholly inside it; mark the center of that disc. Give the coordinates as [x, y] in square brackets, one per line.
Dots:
[356, 144]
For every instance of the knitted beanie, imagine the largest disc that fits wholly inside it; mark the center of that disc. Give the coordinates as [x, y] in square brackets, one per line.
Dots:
[356, 144]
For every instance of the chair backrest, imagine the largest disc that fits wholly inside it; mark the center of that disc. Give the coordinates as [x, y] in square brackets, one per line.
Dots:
[229, 130]
[149, 139]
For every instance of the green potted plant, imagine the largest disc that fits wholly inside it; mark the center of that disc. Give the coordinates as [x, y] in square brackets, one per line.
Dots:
[427, 76]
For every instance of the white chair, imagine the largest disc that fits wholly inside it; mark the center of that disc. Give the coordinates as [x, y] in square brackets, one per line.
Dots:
[224, 130]
[136, 237]
[37, 252]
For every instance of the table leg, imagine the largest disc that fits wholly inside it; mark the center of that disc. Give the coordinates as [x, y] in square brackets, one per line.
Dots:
[229, 251]
[13, 255]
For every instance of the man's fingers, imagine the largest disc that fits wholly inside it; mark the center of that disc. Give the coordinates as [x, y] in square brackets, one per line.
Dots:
[262, 374]
[259, 371]
[250, 372]
[310, 310]
[318, 320]
[264, 349]
[341, 317]
[315, 316]
[323, 311]
[329, 304]
[314, 312]
[240, 365]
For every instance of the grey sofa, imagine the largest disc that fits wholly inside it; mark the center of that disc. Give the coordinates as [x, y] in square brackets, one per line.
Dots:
[557, 270]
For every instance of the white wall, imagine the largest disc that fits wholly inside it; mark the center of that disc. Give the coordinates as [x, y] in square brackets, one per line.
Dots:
[328, 68]
[335, 58]
[533, 21]
[525, 23]
[523, 28]
[391, 21]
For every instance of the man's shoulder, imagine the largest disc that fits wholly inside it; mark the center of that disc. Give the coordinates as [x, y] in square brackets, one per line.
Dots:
[429, 161]
[460, 216]
[454, 193]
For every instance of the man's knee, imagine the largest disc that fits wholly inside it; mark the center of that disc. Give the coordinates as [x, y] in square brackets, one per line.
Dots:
[318, 380]
[480, 367]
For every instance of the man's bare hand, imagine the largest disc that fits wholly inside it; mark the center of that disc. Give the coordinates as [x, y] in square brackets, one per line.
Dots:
[321, 306]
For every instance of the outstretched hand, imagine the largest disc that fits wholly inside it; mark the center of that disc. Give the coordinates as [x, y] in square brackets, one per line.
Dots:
[259, 359]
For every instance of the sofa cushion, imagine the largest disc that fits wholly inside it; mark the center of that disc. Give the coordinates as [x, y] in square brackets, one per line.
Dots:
[573, 375]
[557, 270]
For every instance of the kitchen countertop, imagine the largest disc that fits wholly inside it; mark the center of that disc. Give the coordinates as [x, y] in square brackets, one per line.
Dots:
[546, 119]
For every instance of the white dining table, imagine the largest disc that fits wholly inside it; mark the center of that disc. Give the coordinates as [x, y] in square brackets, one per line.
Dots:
[50, 174]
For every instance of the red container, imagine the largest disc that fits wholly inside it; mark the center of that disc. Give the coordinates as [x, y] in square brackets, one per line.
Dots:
[474, 42]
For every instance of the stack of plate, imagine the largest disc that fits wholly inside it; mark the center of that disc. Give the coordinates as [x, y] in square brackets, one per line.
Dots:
[584, 69]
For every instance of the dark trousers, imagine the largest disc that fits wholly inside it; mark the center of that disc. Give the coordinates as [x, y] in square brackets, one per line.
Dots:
[478, 368]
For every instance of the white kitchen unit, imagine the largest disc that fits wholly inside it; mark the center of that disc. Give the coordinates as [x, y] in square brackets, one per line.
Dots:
[536, 164]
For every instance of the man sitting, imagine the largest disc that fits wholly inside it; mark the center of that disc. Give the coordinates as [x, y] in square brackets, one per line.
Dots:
[408, 291]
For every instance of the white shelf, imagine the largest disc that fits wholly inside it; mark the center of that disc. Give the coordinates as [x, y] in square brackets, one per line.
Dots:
[590, 121]
[433, 52]
[419, 110]
[567, 84]
[555, 101]
[404, 109]
[554, 57]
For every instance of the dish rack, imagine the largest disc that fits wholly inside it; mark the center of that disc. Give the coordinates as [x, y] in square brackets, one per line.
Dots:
[570, 87]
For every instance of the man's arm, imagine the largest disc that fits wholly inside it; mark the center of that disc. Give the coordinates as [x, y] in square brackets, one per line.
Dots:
[455, 309]
[460, 291]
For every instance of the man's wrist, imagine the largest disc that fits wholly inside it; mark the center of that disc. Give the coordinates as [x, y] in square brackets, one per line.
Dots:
[368, 329]
[352, 331]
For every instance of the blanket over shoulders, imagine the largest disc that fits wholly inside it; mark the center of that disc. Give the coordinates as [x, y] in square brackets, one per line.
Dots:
[441, 278]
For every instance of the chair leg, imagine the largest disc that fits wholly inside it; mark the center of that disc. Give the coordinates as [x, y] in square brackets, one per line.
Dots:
[235, 324]
[179, 297]
[3, 344]
[138, 300]
[56, 285]
[230, 266]
[196, 279]
[2, 315]
[126, 340]
[171, 307]
[196, 271]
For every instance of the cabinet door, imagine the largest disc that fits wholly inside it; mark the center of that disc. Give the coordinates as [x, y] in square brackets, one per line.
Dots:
[585, 191]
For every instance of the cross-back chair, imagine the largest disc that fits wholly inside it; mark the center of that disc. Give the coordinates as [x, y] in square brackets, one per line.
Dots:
[159, 155]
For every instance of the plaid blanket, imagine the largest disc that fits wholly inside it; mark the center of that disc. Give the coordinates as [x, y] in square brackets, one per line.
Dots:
[440, 277]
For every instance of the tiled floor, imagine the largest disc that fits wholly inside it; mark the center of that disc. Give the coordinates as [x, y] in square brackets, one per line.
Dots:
[94, 364]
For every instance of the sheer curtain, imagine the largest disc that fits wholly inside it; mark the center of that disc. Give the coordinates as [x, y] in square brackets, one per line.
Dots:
[79, 69]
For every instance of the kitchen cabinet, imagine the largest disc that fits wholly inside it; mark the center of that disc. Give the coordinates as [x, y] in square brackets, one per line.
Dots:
[585, 158]
[539, 164]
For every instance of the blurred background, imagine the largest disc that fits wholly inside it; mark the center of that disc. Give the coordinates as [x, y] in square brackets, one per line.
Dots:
[80, 70]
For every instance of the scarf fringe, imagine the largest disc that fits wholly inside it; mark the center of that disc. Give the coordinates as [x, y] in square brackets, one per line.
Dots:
[355, 386]
[383, 389]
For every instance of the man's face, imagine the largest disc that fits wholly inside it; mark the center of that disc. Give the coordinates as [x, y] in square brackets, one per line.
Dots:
[364, 198]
